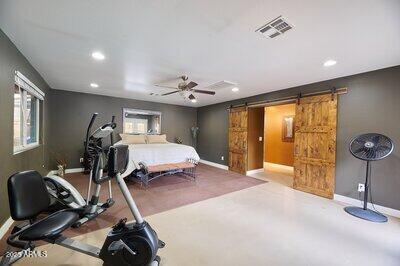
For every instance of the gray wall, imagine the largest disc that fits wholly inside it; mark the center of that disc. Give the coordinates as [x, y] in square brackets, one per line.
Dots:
[371, 105]
[71, 112]
[10, 60]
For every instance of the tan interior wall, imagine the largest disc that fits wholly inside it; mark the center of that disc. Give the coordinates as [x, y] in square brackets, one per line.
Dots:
[255, 145]
[275, 150]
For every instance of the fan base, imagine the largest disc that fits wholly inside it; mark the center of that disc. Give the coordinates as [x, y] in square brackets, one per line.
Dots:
[367, 214]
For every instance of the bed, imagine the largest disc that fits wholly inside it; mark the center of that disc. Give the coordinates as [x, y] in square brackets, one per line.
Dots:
[152, 160]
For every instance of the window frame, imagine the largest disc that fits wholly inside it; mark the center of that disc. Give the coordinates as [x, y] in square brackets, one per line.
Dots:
[25, 87]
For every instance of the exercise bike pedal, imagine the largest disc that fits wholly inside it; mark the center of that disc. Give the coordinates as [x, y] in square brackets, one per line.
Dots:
[120, 225]
[108, 204]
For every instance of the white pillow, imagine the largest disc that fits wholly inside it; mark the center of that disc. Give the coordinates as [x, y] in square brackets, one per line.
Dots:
[157, 138]
[133, 139]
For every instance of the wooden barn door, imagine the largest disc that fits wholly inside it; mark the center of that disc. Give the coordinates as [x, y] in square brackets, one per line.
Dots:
[315, 145]
[238, 139]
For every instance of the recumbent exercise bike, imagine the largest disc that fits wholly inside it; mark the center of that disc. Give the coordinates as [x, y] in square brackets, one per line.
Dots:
[135, 243]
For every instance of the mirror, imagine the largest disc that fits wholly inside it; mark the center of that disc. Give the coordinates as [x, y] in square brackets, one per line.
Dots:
[137, 121]
[288, 128]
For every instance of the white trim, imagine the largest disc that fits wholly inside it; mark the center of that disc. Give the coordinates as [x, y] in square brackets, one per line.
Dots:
[27, 85]
[28, 147]
[356, 202]
[74, 170]
[225, 167]
[67, 171]
[24, 118]
[4, 228]
[255, 171]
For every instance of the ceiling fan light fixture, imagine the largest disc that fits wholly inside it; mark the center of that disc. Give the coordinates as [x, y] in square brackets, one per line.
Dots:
[193, 101]
[235, 89]
[191, 97]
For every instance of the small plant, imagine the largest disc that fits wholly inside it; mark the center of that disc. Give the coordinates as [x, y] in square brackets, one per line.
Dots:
[61, 162]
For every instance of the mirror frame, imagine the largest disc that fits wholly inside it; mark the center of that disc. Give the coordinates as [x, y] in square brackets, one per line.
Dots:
[140, 112]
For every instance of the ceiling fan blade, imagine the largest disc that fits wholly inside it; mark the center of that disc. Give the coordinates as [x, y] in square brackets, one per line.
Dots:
[205, 92]
[168, 93]
[162, 86]
[191, 85]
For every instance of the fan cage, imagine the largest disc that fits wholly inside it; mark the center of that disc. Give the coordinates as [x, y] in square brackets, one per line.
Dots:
[382, 147]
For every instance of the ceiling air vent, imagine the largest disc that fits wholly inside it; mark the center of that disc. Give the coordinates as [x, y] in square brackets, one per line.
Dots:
[220, 85]
[275, 28]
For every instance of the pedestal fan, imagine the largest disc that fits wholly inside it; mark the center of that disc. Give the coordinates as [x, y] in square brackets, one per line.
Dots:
[369, 147]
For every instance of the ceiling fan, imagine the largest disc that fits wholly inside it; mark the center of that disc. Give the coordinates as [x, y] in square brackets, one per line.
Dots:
[186, 89]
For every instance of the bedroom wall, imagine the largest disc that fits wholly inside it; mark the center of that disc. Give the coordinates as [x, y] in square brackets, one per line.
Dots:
[371, 105]
[10, 60]
[70, 113]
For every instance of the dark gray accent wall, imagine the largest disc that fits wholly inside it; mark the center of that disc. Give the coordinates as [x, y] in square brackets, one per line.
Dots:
[10, 60]
[372, 104]
[71, 112]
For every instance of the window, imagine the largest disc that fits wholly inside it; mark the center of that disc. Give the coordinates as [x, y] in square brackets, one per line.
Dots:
[26, 114]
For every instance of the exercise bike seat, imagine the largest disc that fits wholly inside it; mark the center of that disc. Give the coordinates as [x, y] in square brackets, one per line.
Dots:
[28, 197]
[50, 227]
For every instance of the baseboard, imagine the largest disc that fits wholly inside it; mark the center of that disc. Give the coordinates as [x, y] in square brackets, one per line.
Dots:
[67, 171]
[255, 171]
[215, 164]
[74, 170]
[4, 228]
[356, 202]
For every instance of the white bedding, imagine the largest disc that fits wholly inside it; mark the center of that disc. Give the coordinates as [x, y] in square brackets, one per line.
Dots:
[160, 153]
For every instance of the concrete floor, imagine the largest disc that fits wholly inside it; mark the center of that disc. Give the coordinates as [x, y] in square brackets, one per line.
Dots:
[268, 224]
[276, 173]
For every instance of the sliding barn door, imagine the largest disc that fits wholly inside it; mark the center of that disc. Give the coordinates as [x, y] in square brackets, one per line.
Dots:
[315, 145]
[238, 139]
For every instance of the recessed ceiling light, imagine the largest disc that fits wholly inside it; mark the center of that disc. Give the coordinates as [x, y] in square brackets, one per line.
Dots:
[235, 89]
[329, 63]
[94, 85]
[98, 56]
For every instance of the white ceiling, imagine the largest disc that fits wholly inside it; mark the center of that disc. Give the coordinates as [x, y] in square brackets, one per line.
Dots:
[148, 42]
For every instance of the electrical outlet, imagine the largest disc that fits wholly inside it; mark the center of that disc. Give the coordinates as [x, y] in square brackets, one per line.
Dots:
[222, 158]
[361, 187]
[81, 160]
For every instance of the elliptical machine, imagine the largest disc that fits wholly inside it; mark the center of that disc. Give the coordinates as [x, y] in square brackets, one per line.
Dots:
[125, 245]
[64, 195]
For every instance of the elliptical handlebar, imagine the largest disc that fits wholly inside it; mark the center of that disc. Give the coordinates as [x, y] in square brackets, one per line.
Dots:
[90, 135]
[88, 131]
[112, 134]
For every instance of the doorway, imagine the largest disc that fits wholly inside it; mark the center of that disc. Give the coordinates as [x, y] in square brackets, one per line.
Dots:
[279, 142]
[271, 149]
